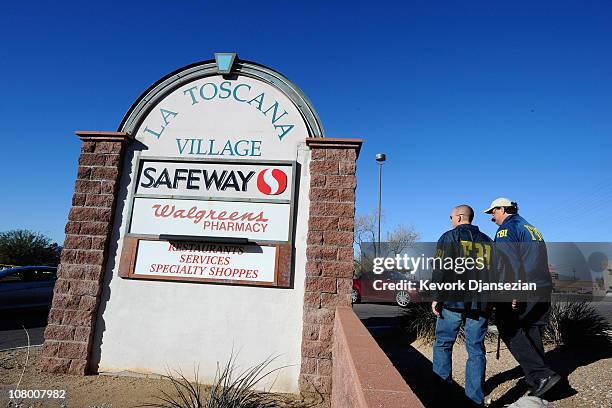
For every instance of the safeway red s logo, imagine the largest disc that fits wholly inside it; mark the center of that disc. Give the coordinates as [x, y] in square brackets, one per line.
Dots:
[272, 181]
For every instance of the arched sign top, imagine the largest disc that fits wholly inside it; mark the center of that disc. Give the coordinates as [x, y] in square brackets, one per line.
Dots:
[240, 68]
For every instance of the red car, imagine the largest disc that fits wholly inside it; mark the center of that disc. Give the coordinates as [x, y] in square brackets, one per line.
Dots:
[375, 288]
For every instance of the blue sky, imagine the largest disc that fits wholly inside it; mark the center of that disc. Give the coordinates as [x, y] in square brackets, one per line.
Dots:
[469, 100]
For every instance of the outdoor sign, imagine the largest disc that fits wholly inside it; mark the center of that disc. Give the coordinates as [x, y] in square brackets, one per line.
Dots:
[199, 207]
[217, 163]
[197, 261]
[206, 218]
[194, 201]
[220, 199]
[221, 118]
[219, 180]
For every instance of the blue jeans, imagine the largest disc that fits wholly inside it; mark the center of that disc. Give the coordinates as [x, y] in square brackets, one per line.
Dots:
[447, 327]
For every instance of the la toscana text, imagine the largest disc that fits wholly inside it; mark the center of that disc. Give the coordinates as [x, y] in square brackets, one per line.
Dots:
[240, 93]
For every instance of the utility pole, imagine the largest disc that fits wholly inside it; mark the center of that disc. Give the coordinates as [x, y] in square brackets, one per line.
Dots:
[380, 159]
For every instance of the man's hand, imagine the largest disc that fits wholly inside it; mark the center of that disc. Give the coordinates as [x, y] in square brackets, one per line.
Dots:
[434, 308]
[514, 304]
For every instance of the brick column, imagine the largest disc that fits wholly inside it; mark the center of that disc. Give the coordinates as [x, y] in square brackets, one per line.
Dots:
[69, 333]
[329, 253]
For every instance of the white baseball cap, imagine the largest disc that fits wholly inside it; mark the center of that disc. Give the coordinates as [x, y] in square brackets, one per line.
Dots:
[500, 202]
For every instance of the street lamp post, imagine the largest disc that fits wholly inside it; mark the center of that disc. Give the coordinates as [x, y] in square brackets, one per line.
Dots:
[380, 159]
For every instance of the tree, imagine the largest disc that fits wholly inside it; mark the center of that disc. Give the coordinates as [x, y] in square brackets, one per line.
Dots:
[24, 247]
[366, 235]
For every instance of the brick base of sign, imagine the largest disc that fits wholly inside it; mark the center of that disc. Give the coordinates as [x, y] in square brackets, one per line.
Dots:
[72, 317]
[329, 254]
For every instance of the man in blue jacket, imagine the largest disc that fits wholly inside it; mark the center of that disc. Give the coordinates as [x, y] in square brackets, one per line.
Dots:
[521, 256]
[452, 307]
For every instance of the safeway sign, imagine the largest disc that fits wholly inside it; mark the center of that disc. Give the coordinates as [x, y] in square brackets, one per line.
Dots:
[216, 180]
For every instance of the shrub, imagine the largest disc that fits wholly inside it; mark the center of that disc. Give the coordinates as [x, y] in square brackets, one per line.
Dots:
[571, 324]
[420, 321]
[577, 323]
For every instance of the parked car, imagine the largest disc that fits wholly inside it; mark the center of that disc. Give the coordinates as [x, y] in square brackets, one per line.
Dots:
[27, 287]
[365, 289]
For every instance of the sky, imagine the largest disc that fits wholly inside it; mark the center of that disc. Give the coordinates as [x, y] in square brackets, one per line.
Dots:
[469, 100]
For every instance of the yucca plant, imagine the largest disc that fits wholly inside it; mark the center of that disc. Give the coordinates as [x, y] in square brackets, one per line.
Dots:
[577, 323]
[227, 391]
[187, 394]
[420, 321]
[233, 392]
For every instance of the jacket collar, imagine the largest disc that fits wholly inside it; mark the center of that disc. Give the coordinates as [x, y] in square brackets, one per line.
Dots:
[469, 226]
[507, 220]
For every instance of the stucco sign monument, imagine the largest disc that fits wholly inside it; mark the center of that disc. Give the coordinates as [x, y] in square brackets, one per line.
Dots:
[216, 220]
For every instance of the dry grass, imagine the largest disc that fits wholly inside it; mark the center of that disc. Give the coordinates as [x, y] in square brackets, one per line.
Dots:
[100, 390]
[229, 390]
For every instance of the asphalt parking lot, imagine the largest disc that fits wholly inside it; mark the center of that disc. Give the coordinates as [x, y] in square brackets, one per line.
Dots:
[16, 327]
[604, 308]
[374, 316]
[378, 316]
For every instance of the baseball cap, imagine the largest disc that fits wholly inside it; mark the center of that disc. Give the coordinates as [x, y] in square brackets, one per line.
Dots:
[500, 202]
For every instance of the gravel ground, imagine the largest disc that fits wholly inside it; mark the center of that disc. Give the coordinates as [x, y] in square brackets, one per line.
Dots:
[93, 391]
[589, 374]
